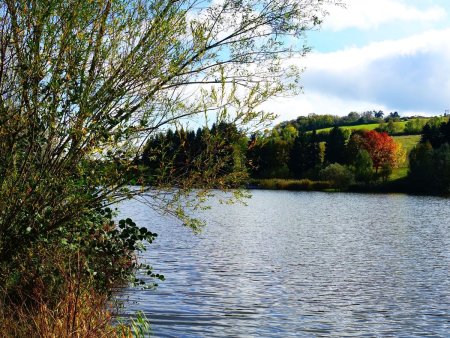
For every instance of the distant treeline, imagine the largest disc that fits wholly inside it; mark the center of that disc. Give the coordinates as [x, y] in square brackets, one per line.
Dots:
[341, 156]
[429, 161]
[196, 156]
[392, 123]
[315, 122]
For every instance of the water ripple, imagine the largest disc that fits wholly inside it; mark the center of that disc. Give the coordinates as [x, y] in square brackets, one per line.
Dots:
[302, 265]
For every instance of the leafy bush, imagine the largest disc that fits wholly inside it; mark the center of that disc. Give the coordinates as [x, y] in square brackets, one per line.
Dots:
[340, 175]
[94, 251]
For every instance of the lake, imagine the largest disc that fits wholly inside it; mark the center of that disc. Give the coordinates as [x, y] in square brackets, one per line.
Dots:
[301, 264]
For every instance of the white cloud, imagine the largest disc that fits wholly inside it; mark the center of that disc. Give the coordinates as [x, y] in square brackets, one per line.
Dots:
[435, 41]
[409, 75]
[313, 102]
[369, 14]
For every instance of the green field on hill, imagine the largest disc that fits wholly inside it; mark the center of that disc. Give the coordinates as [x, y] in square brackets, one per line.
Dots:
[372, 126]
[407, 142]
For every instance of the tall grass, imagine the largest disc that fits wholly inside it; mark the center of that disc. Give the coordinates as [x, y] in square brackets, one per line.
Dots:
[80, 314]
[70, 305]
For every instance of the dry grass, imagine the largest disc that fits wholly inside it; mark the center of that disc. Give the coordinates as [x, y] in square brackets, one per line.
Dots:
[82, 313]
[55, 298]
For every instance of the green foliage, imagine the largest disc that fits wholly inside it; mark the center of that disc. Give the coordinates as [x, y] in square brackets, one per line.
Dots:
[429, 170]
[415, 126]
[385, 171]
[139, 326]
[335, 149]
[340, 175]
[95, 251]
[210, 158]
[436, 132]
[278, 153]
[326, 122]
[268, 155]
[391, 127]
[305, 156]
[298, 156]
[363, 167]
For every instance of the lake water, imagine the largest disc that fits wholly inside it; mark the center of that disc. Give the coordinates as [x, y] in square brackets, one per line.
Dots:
[295, 264]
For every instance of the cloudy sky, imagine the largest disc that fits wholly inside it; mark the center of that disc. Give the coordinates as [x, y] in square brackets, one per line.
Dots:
[392, 55]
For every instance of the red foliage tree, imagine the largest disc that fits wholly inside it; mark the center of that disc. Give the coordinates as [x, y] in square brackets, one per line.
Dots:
[382, 149]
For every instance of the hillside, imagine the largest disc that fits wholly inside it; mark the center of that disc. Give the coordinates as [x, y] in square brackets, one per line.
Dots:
[372, 126]
[407, 142]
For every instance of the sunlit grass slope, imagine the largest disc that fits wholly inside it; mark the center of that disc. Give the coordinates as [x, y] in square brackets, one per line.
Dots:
[372, 126]
[408, 142]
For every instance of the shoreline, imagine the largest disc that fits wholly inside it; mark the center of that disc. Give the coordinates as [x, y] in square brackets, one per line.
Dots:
[399, 186]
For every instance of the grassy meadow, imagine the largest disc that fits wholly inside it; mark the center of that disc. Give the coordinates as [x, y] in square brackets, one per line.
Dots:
[407, 142]
[372, 126]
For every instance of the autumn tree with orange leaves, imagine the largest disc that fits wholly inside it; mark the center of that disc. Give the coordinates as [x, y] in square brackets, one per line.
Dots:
[382, 148]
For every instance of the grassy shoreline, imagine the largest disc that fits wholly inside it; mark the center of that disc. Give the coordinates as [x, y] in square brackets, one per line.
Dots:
[399, 186]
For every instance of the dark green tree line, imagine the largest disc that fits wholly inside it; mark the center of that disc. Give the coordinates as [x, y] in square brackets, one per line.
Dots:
[429, 161]
[201, 158]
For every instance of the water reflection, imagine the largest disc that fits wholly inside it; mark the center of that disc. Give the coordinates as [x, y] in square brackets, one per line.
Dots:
[302, 264]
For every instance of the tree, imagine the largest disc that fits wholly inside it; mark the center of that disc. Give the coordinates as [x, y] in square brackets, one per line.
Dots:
[429, 161]
[305, 156]
[393, 116]
[354, 145]
[313, 153]
[379, 114]
[415, 126]
[335, 148]
[228, 146]
[429, 169]
[432, 132]
[84, 84]
[268, 154]
[363, 167]
[352, 117]
[188, 155]
[390, 127]
[445, 131]
[298, 158]
[441, 177]
[382, 148]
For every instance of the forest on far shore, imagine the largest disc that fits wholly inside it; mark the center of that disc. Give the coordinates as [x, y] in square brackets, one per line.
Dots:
[361, 151]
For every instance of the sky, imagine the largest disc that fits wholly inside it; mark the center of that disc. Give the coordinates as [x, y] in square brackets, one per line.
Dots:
[390, 55]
